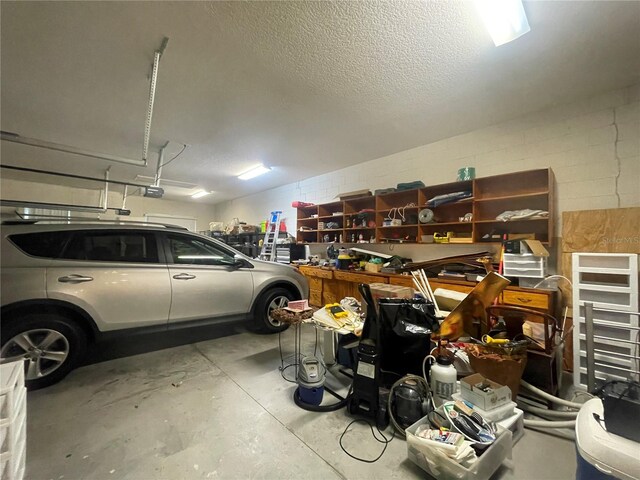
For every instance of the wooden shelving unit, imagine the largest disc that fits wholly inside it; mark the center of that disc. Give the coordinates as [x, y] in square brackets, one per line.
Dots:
[490, 196]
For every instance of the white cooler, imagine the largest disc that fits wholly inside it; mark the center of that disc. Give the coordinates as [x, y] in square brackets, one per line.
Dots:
[602, 454]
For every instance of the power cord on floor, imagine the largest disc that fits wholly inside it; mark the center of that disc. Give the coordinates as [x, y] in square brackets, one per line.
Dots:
[385, 441]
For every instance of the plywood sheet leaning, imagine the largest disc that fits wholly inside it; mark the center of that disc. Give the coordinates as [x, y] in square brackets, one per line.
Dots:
[612, 230]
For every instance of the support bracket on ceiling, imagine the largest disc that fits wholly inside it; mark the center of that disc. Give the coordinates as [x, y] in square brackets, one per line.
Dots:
[156, 179]
[34, 142]
[152, 96]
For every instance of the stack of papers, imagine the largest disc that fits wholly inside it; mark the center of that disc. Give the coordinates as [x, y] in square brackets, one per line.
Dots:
[345, 325]
[451, 444]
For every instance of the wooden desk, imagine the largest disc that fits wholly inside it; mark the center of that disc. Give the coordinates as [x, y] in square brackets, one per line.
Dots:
[331, 286]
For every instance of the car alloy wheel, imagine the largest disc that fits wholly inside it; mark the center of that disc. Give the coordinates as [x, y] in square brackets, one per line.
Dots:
[44, 349]
[277, 302]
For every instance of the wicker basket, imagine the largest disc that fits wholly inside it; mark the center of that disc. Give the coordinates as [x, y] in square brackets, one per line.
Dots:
[503, 369]
[289, 317]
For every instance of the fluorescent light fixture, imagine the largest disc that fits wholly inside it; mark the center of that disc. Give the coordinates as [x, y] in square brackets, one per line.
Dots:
[254, 172]
[505, 19]
[200, 194]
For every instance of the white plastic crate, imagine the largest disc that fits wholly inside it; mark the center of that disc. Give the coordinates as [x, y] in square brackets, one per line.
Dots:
[494, 415]
[13, 421]
[525, 265]
[442, 467]
[515, 424]
[11, 380]
[10, 432]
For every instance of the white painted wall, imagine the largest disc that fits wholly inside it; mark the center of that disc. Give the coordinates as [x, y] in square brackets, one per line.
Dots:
[592, 145]
[139, 206]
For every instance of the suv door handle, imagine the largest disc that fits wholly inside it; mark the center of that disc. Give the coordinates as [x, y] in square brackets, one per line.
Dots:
[184, 276]
[75, 279]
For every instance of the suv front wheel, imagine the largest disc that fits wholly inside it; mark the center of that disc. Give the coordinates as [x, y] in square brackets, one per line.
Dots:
[50, 344]
[268, 302]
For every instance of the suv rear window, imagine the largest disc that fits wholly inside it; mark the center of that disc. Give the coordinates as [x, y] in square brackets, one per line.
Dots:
[121, 246]
[43, 244]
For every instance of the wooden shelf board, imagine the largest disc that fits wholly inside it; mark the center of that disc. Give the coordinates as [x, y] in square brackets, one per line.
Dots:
[330, 216]
[440, 224]
[360, 228]
[500, 222]
[451, 204]
[398, 208]
[513, 197]
[399, 226]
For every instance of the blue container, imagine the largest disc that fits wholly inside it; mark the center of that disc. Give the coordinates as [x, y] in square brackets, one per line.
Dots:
[311, 396]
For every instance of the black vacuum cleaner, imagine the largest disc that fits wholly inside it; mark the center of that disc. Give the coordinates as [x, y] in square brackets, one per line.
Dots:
[368, 398]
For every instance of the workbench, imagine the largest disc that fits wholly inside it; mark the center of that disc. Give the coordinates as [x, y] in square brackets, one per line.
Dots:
[331, 285]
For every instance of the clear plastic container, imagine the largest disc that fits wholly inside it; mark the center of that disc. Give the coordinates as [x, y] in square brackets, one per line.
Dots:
[440, 466]
[493, 415]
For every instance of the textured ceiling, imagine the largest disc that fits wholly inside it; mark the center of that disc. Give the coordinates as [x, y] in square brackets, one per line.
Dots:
[306, 87]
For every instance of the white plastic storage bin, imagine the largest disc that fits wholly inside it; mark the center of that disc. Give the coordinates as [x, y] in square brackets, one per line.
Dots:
[494, 415]
[11, 380]
[525, 265]
[13, 421]
[515, 424]
[440, 466]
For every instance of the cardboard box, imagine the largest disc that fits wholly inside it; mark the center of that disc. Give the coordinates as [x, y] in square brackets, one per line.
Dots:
[497, 395]
[373, 267]
[385, 290]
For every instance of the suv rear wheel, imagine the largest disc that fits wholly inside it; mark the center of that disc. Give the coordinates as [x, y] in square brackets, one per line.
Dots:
[269, 301]
[50, 344]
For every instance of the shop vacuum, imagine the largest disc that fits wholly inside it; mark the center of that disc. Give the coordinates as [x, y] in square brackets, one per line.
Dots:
[310, 379]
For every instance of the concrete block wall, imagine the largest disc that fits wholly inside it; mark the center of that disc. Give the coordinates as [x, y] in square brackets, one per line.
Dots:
[592, 145]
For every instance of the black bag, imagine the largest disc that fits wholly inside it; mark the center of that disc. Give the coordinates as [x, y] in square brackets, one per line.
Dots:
[621, 405]
[405, 328]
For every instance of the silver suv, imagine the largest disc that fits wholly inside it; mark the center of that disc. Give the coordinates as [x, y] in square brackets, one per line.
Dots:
[65, 285]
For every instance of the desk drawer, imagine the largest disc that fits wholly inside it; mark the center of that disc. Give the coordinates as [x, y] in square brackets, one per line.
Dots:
[317, 272]
[315, 283]
[359, 277]
[527, 299]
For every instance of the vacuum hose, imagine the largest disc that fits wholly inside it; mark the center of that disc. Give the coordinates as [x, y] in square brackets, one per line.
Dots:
[320, 408]
[544, 412]
[551, 398]
[546, 424]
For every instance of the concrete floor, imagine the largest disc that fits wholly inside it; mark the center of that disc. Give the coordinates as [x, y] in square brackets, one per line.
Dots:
[217, 408]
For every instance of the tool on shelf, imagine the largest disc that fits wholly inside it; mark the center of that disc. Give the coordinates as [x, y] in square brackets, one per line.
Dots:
[268, 251]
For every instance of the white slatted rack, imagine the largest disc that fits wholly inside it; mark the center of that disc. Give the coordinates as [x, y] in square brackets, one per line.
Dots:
[13, 421]
[610, 282]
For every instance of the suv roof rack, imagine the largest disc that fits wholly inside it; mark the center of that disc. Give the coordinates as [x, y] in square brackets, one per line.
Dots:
[72, 221]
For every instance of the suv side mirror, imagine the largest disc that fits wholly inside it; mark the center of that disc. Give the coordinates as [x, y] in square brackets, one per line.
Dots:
[239, 263]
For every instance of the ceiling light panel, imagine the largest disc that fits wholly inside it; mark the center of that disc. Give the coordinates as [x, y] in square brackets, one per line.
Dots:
[505, 19]
[254, 172]
[200, 194]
